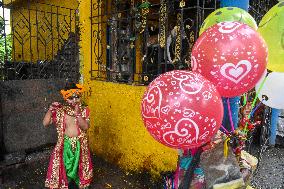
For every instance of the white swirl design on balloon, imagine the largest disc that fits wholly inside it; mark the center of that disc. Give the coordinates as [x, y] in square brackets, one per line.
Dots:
[188, 112]
[150, 104]
[214, 123]
[183, 133]
[149, 125]
[166, 126]
[204, 136]
[160, 83]
[228, 27]
[187, 83]
[207, 95]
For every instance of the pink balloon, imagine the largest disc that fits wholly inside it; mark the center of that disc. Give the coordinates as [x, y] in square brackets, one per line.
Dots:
[232, 56]
[182, 109]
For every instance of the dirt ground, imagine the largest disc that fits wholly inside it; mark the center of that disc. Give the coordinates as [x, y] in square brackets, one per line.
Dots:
[31, 174]
[270, 173]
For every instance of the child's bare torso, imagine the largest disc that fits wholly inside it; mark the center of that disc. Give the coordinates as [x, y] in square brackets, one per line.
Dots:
[71, 129]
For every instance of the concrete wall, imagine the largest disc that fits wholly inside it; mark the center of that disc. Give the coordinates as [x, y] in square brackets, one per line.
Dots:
[23, 107]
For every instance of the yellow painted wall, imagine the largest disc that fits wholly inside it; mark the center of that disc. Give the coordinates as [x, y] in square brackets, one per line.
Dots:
[8, 2]
[40, 29]
[117, 132]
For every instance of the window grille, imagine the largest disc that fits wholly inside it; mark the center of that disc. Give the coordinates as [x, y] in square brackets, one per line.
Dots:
[135, 41]
[38, 40]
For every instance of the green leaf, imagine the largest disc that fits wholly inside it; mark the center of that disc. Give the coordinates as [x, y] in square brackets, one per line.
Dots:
[144, 5]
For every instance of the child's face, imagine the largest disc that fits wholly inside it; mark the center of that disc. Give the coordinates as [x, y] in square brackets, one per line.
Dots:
[74, 99]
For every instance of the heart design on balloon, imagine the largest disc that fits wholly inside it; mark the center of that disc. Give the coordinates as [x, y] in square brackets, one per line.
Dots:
[186, 131]
[165, 109]
[151, 104]
[236, 73]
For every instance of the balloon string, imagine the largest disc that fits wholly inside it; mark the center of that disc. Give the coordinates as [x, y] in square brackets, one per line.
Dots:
[226, 148]
[256, 95]
[226, 131]
[230, 115]
[193, 151]
[245, 98]
[256, 107]
[254, 101]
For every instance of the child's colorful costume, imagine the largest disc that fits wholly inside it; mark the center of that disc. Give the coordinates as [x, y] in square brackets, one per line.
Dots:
[184, 162]
[70, 159]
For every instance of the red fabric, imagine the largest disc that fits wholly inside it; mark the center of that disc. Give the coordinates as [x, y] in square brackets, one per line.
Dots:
[56, 175]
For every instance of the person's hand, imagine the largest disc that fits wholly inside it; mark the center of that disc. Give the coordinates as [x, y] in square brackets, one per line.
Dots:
[77, 110]
[53, 106]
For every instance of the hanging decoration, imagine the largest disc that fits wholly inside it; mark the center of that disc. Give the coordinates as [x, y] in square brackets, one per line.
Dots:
[144, 7]
[178, 40]
[163, 20]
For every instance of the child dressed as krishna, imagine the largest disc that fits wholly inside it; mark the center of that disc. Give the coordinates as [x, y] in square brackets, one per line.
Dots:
[70, 160]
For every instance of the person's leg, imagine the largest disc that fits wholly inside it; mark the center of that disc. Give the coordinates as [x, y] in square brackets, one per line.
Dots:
[274, 120]
[71, 156]
[235, 105]
[234, 109]
[225, 121]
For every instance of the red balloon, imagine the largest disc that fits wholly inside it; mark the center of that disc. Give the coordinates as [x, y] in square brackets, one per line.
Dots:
[232, 56]
[182, 109]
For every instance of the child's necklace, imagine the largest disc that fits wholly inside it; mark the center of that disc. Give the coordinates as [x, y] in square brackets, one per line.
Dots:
[69, 110]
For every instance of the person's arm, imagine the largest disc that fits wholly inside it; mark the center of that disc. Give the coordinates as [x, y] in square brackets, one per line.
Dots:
[82, 122]
[47, 120]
